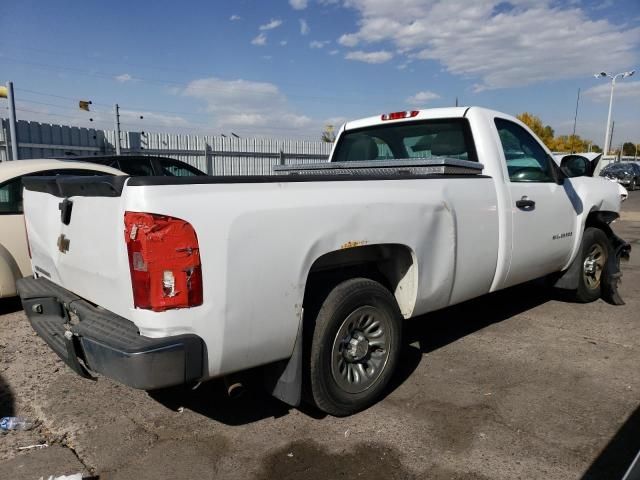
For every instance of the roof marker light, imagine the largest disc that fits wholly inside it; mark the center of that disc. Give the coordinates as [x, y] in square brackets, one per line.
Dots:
[399, 115]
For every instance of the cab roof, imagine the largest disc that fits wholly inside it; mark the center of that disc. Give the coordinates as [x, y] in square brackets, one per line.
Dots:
[426, 114]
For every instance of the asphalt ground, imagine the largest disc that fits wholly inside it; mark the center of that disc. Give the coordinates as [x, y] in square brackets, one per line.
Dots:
[517, 384]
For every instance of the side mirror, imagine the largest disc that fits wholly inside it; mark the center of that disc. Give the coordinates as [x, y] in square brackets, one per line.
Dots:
[574, 166]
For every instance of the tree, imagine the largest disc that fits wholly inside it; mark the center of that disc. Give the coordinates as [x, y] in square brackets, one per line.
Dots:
[628, 149]
[328, 134]
[545, 132]
[561, 143]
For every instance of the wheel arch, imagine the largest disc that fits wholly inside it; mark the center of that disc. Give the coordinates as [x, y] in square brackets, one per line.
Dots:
[391, 264]
[569, 278]
[9, 273]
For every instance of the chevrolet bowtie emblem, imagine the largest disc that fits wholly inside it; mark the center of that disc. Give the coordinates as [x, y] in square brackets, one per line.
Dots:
[63, 243]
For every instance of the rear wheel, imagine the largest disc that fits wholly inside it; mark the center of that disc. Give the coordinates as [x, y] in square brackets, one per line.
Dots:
[355, 346]
[594, 255]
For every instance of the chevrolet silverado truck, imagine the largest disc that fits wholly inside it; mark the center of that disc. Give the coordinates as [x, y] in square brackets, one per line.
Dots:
[306, 276]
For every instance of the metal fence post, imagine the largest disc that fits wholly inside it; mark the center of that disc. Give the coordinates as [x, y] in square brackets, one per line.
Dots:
[12, 121]
[208, 159]
[6, 139]
[281, 157]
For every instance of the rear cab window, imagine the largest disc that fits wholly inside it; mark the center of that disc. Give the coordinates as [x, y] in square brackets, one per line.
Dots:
[425, 139]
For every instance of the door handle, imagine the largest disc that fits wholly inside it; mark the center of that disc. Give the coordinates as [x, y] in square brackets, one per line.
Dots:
[525, 204]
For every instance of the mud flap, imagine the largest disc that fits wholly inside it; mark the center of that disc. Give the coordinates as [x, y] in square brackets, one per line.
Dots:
[618, 249]
[284, 379]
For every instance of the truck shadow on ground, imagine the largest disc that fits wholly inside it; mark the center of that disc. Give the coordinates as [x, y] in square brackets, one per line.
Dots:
[437, 329]
[6, 399]
[10, 305]
[422, 335]
[614, 460]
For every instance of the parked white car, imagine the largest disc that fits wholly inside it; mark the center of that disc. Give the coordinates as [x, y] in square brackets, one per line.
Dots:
[14, 255]
[160, 281]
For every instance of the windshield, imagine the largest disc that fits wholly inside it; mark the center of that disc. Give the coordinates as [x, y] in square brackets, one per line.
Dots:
[449, 138]
[618, 167]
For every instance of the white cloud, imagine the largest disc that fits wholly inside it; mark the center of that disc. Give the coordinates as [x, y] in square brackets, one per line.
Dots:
[125, 77]
[503, 44]
[348, 40]
[304, 27]
[234, 18]
[318, 43]
[260, 40]
[273, 23]
[626, 89]
[283, 43]
[334, 52]
[422, 97]
[298, 4]
[381, 56]
[243, 104]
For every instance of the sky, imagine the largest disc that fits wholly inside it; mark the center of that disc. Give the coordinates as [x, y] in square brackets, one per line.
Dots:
[286, 68]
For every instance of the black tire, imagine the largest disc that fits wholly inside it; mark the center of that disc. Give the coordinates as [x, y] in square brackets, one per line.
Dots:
[632, 185]
[352, 315]
[594, 241]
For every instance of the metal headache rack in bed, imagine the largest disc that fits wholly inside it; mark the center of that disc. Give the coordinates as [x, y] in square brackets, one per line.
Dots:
[438, 166]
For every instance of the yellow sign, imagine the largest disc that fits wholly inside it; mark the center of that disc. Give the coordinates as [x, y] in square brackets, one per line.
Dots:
[3, 92]
[84, 104]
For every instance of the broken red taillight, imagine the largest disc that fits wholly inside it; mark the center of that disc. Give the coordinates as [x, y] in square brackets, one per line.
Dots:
[399, 115]
[164, 261]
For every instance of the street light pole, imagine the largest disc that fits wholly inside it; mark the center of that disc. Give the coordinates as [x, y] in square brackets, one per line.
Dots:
[607, 139]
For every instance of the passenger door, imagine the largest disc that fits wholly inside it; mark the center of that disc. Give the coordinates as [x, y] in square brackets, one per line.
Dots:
[543, 215]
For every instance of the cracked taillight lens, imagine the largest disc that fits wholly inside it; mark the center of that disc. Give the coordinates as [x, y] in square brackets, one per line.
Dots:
[164, 261]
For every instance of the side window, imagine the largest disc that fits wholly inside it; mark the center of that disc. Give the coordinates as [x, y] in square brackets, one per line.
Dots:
[11, 197]
[176, 169]
[526, 160]
[137, 167]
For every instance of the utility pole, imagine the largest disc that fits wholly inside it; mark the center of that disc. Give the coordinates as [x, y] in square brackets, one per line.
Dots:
[12, 121]
[575, 120]
[117, 109]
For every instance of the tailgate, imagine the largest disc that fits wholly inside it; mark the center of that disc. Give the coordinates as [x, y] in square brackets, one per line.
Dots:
[75, 227]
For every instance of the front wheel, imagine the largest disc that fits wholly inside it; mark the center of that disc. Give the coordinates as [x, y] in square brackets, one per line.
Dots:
[355, 346]
[594, 253]
[632, 185]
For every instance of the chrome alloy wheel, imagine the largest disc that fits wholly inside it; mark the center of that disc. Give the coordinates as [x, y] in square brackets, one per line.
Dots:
[361, 349]
[593, 266]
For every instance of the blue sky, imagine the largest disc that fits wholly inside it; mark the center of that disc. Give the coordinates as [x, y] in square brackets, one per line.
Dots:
[285, 68]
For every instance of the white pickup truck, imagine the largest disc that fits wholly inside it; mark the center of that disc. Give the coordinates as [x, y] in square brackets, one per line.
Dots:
[308, 274]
